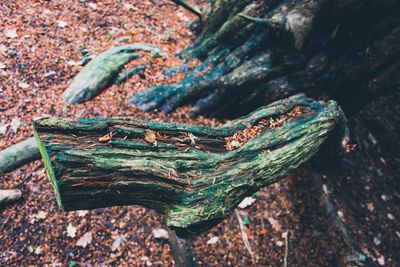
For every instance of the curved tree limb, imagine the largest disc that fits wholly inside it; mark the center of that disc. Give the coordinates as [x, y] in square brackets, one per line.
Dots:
[101, 72]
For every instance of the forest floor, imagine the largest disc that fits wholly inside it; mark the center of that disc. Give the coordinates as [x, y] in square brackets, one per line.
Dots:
[287, 224]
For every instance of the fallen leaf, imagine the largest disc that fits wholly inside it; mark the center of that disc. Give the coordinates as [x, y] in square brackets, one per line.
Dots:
[118, 242]
[247, 201]
[11, 33]
[50, 73]
[150, 137]
[3, 48]
[263, 232]
[72, 63]
[235, 144]
[15, 123]
[40, 215]
[275, 224]
[38, 250]
[92, 6]
[61, 23]
[71, 230]
[130, 7]
[105, 138]
[370, 206]
[213, 240]
[84, 240]
[23, 85]
[381, 260]
[82, 213]
[325, 188]
[3, 129]
[160, 233]
[340, 214]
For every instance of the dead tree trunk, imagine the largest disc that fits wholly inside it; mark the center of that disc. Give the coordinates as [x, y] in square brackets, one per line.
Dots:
[255, 52]
[195, 176]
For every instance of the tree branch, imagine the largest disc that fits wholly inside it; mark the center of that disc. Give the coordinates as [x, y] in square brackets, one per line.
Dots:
[195, 175]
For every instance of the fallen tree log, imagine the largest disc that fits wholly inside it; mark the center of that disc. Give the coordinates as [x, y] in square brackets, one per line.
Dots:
[196, 176]
[17, 155]
[102, 71]
[9, 196]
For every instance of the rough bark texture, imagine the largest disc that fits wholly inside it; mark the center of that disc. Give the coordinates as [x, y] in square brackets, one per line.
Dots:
[9, 196]
[17, 155]
[183, 171]
[102, 71]
[255, 52]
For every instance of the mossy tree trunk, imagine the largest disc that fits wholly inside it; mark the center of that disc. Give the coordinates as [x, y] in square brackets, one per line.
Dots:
[196, 176]
[255, 52]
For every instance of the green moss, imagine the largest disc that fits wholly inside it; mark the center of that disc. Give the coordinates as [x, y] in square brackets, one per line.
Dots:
[49, 168]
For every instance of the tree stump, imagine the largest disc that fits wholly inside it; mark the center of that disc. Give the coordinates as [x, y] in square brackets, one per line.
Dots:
[255, 52]
[196, 176]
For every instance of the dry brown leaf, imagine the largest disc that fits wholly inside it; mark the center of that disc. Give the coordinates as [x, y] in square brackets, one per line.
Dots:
[105, 138]
[151, 137]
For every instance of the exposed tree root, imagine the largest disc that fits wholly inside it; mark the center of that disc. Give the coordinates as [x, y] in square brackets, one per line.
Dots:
[340, 49]
[102, 71]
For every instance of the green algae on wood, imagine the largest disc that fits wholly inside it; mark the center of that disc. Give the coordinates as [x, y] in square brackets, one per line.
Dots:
[102, 71]
[187, 174]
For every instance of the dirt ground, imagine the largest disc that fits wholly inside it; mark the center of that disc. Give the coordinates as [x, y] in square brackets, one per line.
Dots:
[288, 225]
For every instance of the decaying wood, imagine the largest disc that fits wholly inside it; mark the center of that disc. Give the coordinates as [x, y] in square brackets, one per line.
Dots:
[17, 155]
[102, 71]
[9, 196]
[255, 52]
[196, 176]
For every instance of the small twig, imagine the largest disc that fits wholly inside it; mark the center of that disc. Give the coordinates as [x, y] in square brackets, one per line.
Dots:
[194, 9]
[261, 21]
[333, 215]
[244, 236]
[286, 248]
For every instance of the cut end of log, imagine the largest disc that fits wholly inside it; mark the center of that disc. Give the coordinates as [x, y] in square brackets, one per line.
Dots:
[47, 163]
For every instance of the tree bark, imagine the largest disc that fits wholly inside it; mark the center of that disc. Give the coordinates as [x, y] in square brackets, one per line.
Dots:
[9, 196]
[18, 155]
[345, 50]
[196, 176]
[102, 71]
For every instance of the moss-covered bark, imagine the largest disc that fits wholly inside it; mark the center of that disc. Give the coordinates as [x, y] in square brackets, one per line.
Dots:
[187, 172]
[102, 71]
[345, 50]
